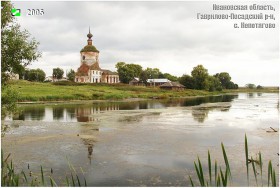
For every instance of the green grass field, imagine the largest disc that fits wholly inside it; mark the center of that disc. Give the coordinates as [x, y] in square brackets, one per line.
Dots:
[65, 91]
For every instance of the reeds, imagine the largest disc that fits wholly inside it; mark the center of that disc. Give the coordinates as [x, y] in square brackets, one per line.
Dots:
[224, 177]
[10, 178]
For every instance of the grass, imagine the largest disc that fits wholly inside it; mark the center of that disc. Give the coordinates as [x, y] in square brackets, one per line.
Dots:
[66, 91]
[223, 178]
[11, 178]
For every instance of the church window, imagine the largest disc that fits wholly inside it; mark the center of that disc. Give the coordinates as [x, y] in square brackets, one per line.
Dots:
[84, 57]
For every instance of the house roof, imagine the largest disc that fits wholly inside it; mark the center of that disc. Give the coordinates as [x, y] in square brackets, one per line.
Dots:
[172, 84]
[158, 80]
[105, 71]
[83, 70]
[95, 66]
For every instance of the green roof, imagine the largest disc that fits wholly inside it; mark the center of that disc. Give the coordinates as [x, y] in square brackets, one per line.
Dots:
[89, 48]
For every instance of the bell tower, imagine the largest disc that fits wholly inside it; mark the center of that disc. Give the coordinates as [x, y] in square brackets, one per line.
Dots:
[89, 54]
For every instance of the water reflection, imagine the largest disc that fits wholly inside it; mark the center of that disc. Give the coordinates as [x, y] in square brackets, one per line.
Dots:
[250, 95]
[37, 113]
[58, 113]
[88, 135]
[200, 113]
[87, 112]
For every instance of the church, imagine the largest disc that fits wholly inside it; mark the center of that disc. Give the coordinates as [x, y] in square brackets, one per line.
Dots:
[89, 70]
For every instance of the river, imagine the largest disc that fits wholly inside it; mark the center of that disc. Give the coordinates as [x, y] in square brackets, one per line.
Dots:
[144, 143]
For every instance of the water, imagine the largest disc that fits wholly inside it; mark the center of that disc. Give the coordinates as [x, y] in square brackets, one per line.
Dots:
[85, 112]
[144, 143]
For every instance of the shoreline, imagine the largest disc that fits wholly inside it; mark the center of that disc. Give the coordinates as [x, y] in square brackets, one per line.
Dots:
[54, 102]
[48, 93]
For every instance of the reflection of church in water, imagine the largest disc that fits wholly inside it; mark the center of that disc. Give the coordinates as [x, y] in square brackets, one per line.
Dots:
[84, 114]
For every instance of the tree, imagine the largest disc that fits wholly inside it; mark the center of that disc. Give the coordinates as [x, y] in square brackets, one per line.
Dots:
[224, 78]
[128, 71]
[17, 48]
[232, 85]
[200, 74]
[170, 77]
[187, 81]
[9, 97]
[213, 84]
[35, 75]
[144, 77]
[259, 87]
[58, 73]
[153, 72]
[250, 86]
[71, 75]
[17, 51]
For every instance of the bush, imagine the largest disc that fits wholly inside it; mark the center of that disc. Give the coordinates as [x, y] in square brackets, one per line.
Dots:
[9, 98]
[37, 75]
[67, 83]
[250, 86]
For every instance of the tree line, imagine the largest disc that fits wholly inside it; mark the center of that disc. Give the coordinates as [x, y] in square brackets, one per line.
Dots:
[38, 75]
[128, 72]
[199, 79]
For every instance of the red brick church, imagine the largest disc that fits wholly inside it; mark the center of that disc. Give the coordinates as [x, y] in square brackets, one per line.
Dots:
[89, 70]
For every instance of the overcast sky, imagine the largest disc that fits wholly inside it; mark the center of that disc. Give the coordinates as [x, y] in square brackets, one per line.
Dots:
[164, 35]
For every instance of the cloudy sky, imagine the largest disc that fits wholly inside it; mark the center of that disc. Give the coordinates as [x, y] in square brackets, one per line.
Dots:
[164, 35]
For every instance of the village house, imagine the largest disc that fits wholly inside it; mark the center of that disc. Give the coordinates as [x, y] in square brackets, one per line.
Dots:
[89, 70]
[52, 79]
[157, 81]
[136, 82]
[150, 82]
[172, 86]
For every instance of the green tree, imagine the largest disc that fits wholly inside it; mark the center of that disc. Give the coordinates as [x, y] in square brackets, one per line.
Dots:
[213, 84]
[153, 72]
[250, 86]
[170, 77]
[37, 75]
[6, 17]
[187, 81]
[128, 71]
[224, 78]
[9, 98]
[57, 73]
[199, 74]
[71, 75]
[232, 85]
[259, 87]
[18, 49]
[143, 77]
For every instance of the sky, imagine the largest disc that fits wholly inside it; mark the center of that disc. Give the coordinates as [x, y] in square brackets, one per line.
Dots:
[164, 35]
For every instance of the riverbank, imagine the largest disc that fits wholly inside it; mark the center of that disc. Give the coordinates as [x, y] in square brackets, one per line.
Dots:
[30, 92]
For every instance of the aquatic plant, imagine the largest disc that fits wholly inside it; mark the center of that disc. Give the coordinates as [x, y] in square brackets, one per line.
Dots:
[223, 177]
[11, 178]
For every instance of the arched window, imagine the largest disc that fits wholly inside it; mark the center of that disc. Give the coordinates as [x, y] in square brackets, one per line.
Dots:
[84, 57]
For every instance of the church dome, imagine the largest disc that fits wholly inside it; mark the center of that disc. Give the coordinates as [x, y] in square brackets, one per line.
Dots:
[89, 35]
[89, 48]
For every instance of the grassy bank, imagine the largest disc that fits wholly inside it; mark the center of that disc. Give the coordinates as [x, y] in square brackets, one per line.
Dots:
[34, 91]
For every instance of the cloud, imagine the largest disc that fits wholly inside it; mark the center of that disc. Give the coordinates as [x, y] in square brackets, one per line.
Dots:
[165, 35]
